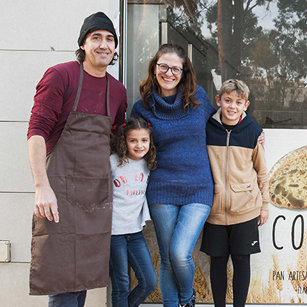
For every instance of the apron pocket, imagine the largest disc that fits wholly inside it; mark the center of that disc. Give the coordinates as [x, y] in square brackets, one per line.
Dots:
[87, 193]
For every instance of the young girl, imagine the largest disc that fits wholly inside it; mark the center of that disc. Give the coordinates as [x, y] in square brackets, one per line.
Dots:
[134, 156]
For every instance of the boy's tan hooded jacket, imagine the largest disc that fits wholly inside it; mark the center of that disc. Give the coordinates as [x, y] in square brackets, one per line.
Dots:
[239, 171]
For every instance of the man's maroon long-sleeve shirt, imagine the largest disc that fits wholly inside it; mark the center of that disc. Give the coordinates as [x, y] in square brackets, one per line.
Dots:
[55, 97]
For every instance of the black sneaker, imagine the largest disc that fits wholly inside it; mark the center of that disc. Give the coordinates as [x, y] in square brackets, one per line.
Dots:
[192, 301]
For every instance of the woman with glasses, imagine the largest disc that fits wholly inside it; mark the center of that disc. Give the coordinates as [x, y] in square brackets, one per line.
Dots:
[180, 190]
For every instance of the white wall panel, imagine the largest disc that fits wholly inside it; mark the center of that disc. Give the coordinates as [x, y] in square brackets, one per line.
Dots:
[15, 174]
[14, 285]
[28, 36]
[96, 298]
[42, 24]
[15, 224]
[23, 71]
[35, 34]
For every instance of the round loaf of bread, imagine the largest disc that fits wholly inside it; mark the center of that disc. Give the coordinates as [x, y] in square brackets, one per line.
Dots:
[288, 180]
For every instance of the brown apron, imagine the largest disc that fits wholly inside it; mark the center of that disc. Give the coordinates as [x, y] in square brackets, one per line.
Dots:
[73, 255]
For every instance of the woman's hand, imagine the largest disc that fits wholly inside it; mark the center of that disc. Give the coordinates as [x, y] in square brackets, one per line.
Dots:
[261, 138]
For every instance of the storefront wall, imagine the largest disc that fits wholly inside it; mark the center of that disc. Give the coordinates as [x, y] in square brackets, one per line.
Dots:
[35, 35]
[229, 39]
[38, 34]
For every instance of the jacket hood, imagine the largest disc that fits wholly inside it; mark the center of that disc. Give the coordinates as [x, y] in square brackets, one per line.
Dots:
[246, 120]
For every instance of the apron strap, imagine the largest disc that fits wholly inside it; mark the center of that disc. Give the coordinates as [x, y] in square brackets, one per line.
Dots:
[107, 97]
[79, 88]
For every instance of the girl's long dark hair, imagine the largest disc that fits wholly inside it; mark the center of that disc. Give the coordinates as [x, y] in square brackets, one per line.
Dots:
[119, 145]
[187, 84]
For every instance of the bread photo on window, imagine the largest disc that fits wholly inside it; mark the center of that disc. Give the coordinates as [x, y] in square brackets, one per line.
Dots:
[288, 180]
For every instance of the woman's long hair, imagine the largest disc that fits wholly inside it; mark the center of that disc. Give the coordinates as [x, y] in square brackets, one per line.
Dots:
[119, 144]
[187, 84]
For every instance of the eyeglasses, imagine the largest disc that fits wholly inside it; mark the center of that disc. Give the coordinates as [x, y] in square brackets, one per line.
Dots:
[174, 69]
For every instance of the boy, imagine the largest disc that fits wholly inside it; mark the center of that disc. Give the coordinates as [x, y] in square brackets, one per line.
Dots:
[241, 192]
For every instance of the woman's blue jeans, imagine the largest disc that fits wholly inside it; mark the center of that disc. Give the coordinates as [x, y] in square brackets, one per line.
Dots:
[177, 229]
[130, 249]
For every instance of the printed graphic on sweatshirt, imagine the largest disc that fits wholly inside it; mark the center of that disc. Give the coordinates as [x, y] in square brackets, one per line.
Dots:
[138, 181]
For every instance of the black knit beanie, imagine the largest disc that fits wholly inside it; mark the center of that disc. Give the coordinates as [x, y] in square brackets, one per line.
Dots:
[97, 21]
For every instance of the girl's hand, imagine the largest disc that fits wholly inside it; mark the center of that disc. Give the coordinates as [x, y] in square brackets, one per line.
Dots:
[263, 217]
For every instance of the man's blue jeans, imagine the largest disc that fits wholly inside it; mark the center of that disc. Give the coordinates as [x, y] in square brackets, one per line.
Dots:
[70, 299]
[130, 249]
[177, 229]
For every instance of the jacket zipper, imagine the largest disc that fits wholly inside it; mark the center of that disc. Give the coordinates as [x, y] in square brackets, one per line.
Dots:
[226, 174]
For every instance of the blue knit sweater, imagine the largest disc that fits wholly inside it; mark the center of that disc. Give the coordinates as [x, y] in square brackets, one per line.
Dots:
[183, 175]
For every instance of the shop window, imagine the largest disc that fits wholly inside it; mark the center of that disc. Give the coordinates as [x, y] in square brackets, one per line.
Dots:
[260, 42]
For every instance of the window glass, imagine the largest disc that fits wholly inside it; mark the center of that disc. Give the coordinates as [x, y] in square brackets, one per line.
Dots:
[262, 42]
